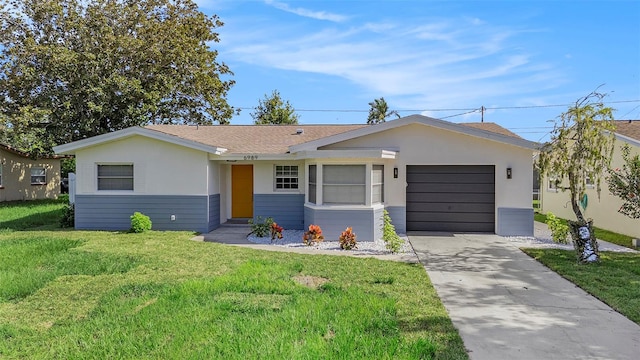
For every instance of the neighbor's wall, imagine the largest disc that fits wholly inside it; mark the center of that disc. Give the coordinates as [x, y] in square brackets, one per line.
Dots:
[423, 145]
[16, 178]
[603, 211]
[171, 185]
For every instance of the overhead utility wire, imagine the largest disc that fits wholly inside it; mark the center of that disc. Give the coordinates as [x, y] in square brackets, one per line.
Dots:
[455, 109]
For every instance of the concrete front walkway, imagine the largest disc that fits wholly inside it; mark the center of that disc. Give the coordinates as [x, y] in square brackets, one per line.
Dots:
[508, 306]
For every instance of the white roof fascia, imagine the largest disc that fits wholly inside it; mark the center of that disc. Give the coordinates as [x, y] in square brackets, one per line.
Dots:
[415, 119]
[628, 139]
[72, 147]
[252, 157]
[347, 154]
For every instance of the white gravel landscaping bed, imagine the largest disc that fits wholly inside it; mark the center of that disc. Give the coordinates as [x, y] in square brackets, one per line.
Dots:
[293, 239]
[542, 239]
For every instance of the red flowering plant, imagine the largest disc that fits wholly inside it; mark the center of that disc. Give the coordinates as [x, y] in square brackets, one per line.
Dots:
[348, 239]
[313, 236]
[276, 231]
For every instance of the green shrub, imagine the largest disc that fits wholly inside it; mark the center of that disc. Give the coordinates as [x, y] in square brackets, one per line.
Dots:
[68, 216]
[389, 235]
[559, 230]
[140, 222]
[259, 227]
[348, 239]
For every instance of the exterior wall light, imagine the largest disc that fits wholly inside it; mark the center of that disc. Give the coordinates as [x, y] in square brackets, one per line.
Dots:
[509, 172]
[395, 172]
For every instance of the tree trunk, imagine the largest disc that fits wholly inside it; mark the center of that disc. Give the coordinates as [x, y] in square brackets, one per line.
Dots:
[584, 241]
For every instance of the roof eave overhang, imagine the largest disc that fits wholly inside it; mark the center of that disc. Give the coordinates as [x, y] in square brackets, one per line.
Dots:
[415, 119]
[71, 148]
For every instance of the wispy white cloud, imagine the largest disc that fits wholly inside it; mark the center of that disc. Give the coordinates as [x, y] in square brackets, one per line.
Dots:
[318, 15]
[443, 63]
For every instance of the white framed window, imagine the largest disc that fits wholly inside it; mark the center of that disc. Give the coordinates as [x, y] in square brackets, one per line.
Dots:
[589, 182]
[115, 177]
[286, 177]
[38, 176]
[312, 183]
[552, 183]
[0, 174]
[377, 184]
[344, 184]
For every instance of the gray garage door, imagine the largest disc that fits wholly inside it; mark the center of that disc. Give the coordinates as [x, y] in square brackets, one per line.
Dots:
[451, 198]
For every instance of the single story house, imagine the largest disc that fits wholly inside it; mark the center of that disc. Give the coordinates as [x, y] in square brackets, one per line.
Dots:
[603, 210]
[24, 178]
[430, 174]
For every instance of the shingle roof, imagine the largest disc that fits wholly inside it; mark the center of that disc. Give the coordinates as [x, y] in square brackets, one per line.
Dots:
[26, 155]
[273, 139]
[492, 127]
[253, 139]
[628, 128]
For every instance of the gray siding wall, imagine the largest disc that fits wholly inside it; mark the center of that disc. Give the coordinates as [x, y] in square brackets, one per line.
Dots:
[214, 212]
[112, 212]
[398, 218]
[515, 222]
[285, 209]
[335, 221]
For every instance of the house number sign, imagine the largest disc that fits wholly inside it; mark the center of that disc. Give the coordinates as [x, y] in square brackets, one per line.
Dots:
[251, 157]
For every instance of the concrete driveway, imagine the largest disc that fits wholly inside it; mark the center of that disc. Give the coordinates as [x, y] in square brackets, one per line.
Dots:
[508, 306]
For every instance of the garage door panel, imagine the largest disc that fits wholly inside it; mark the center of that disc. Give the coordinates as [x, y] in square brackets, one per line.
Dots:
[450, 217]
[451, 169]
[446, 178]
[449, 226]
[449, 188]
[450, 198]
[486, 207]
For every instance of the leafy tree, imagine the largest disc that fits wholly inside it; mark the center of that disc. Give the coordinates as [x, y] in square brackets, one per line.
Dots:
[71, 69]
[581, 146]
[273, 110]
[625, 183]
[379, 111]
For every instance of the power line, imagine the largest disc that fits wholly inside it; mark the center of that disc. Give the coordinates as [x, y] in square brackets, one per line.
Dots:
[468, 110]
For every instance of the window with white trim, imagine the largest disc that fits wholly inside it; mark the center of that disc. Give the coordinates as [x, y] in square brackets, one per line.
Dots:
[286, 177]
[312, 183]
[115, 177]
[344, 184]
[589, 182]
[0, 175]
[552, 184]
[38, 176]
[377, 184]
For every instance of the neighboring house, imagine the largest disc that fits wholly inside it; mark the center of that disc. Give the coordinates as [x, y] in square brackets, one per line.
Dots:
[431, 175]
[603, 210]
[23, 178]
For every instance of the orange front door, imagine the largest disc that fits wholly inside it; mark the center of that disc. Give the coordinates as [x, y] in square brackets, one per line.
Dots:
[241, 191]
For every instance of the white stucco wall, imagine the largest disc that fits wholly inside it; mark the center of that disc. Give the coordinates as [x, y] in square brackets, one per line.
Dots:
[603, 211]
[264, 177]
[423, 145]
[160, 168]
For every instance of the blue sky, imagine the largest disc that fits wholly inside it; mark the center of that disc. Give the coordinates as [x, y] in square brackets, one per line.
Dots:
[426, 56]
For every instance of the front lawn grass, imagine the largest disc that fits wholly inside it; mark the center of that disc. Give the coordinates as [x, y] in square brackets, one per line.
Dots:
[35, 214]
[606, 235]
[81, 294]
[615, 279]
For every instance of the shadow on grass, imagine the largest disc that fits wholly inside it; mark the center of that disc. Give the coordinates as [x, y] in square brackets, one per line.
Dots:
[49, 220]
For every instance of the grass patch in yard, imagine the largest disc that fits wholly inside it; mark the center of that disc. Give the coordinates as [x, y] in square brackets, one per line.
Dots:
[30, 215]
[614, 280]
[606, 235]
[160, 295]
